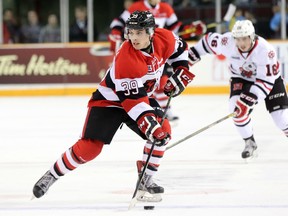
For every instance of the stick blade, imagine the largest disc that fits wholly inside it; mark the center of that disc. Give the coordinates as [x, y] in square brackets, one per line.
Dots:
[230, 12]
[132, 203]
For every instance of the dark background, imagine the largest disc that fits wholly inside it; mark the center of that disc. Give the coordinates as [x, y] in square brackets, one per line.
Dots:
[106, 10]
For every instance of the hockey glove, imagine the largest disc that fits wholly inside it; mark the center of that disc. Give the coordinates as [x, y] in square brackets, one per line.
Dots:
[193, 56]
[196, 28]
[178, 82]
[153, 130]
[115, 40]
[244, 105]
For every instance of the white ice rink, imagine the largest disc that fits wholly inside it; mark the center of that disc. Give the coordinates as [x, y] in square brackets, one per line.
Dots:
[203, 176]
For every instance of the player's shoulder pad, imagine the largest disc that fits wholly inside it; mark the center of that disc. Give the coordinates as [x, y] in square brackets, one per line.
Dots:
[166, 7]
[264, 44]
[227, 39]
[224, 40]
[265, 50]
[139, 5]
[164, 40]
[129, 63]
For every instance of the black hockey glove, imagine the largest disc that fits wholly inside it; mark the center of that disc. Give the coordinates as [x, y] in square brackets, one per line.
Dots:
[178, 82]
[244, 105]
[153, 130]
[194, 56]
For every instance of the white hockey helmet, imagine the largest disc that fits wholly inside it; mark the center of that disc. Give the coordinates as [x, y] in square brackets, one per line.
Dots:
[243, 28]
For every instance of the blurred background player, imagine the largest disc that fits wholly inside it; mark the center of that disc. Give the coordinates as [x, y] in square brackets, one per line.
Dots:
[254, 70]
[165, 17]
[123, 96]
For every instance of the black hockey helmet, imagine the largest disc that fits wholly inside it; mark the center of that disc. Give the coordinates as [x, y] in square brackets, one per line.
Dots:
[141, 20]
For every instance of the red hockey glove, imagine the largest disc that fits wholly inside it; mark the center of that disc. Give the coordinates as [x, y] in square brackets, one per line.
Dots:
[196, 28]
[153, 130]
[244, 105]
[115, 40]
[178, 82]
[194, 56]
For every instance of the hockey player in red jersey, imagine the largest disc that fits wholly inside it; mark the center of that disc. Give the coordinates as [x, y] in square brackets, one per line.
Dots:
[165, 17]
[255, 76]
[123, 96]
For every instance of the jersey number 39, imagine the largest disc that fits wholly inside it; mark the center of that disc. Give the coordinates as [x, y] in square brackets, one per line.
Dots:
[130, 87]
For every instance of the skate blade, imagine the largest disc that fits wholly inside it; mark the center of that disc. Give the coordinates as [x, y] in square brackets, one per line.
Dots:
[144, 196]
[252, 157]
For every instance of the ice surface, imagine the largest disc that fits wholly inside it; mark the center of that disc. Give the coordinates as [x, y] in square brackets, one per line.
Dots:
[204, 175]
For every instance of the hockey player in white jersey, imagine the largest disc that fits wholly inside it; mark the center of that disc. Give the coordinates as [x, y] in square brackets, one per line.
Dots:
[254, 70]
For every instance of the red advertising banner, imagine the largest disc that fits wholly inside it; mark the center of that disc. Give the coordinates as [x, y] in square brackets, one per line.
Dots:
[82, 63]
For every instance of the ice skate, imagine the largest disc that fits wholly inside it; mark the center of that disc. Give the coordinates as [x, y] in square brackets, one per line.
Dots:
[173, 119]
[170, 116]
[43, 184]
[250, 147]
[148, 190]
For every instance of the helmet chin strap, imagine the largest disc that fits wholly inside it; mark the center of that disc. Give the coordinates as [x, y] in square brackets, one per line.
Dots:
[148, 49]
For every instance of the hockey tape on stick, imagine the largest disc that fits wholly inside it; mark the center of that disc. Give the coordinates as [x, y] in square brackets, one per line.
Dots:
[200, 130]
[227, 17]
[230, 12]
[134, 197]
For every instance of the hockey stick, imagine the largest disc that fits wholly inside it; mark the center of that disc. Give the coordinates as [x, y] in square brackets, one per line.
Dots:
[134, 197]
[200, 130]
[229, 14]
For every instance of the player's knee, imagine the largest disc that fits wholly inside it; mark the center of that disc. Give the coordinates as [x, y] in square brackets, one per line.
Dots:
[87, 149]
[232, 103]
[280, 118]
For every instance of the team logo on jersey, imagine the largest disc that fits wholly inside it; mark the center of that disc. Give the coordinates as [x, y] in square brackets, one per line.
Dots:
[224, 41]
[271, 54]
[155, 64]
[248, 69]
[237, 86]
[149, 85]
[160, 62]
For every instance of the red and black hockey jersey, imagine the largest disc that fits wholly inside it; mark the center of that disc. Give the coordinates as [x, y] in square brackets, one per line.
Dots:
[135, 74]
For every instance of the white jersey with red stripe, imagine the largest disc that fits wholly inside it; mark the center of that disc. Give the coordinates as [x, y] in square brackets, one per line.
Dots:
[259, 65]
[134, 74]
[163, 13]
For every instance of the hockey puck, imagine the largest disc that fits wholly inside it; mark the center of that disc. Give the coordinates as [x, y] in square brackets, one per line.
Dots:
[149, 207]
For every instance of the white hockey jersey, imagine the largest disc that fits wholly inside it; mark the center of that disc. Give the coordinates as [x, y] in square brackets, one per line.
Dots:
[259, 65]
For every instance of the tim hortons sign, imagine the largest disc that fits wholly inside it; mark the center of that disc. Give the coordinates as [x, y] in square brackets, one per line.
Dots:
[52, 65]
